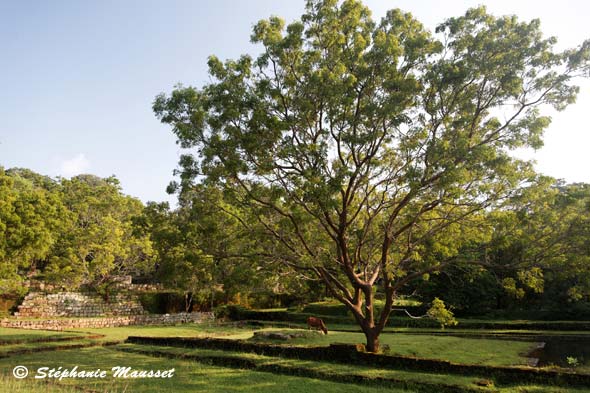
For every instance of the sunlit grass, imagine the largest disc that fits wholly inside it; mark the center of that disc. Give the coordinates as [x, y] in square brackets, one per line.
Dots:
[326, 367]
[10, 384]
[367, 371]
[198, 377]
[455, 349]
[7, 349]
[188, 377]
[12, 334]
[186, 330]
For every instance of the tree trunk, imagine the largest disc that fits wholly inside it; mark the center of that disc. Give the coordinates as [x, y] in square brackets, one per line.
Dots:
[367, 322]
[372, 340]
[188, 300]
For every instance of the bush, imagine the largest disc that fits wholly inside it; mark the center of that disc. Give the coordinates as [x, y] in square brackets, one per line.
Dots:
[9, 304]
[233, 312]
[326, 308]
[439, 313]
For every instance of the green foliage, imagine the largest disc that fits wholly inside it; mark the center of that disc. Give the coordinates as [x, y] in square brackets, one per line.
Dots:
[30, 220]
[182, 264]
[534, 260]
[542, 239]
[207, 247]
[439, 312]
[68, 232]
[102, 240]
[572, 361]
[509, 285]
[469, 289]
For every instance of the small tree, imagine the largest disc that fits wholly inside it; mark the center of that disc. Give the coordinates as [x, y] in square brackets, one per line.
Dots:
[359, 145]
[439, 312]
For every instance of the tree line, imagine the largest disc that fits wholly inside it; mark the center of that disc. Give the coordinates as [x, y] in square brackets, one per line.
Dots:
[84, 232]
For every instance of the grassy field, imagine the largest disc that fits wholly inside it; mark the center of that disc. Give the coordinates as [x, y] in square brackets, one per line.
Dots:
[330, 368]
[10, 384]
[201, 375]
[454, 349]
[187, 330]
[188, 376]
[15, 335]
[193, 376]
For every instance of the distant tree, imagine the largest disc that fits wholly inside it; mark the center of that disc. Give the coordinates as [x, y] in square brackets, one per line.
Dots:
[26, 178]
[536, 258]
[207, 248]
[546, 234]
[31, 219]
[439, 312]
[181, 263]
[358, 145]
[101, 242]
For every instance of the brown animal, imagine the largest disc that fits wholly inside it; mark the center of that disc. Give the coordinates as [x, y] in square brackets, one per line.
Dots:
[313, 322]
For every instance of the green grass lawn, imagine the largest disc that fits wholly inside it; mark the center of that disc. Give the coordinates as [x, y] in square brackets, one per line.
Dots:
[455, 349]
[340, 369]
[186, 330]
[192, 376]
[11, 348]
[188, 377]
[330, 368]
[10, 384]
[11, 334]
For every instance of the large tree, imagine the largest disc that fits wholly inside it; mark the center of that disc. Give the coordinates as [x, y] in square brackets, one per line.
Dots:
[102, 241]
[31, 219]
[359, 146]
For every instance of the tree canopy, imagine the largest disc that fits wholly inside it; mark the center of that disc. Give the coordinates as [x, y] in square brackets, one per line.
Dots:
[68, 232]
[366, 149]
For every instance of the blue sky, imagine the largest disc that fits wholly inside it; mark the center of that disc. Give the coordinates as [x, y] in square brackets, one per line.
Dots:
[77, 79]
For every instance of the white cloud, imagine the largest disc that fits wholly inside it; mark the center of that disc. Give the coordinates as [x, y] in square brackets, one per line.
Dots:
[74, 166]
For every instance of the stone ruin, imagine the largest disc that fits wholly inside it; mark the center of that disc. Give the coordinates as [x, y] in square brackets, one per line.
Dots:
[43, 308]
[46, 301]
[78, 304]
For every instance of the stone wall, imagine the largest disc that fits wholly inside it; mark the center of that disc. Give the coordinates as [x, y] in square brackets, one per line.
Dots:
[67, 323]
[120, 282]
[76, 304]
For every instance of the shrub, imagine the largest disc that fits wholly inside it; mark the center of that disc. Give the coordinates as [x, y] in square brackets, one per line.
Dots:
[439, 312]
[162, 302]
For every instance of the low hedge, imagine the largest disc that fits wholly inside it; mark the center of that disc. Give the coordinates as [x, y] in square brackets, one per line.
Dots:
[345, 353]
